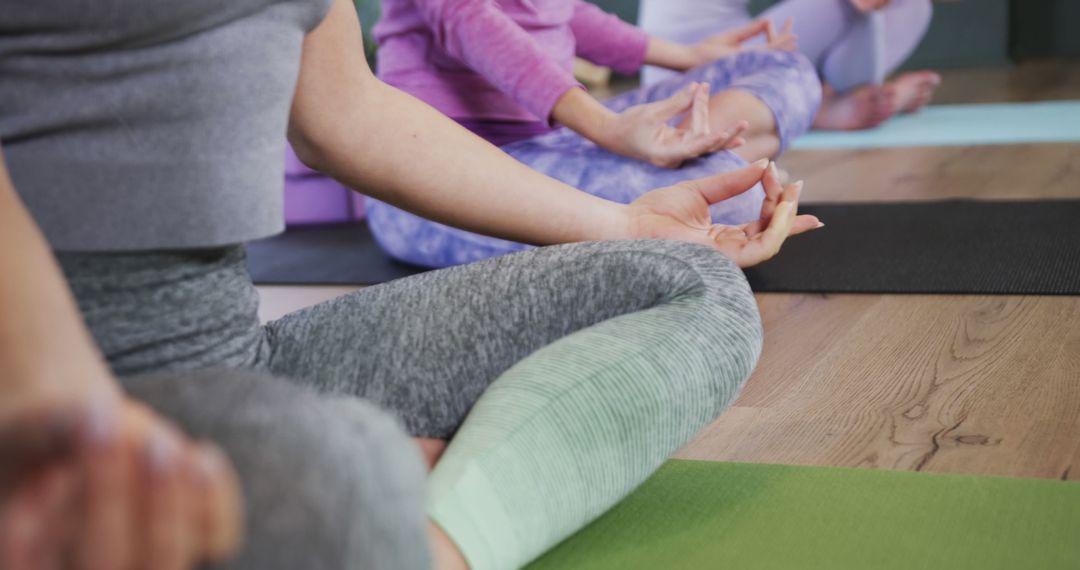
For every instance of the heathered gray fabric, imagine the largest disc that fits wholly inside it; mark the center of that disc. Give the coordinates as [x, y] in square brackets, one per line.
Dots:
[150, 124]
[330, 483]
[424, 347]
[662, 335]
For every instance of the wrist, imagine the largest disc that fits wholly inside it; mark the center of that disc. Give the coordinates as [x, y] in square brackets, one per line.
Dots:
[72, 376]
[671, 55]
[581, 113]
[690, 56]
[615, 222]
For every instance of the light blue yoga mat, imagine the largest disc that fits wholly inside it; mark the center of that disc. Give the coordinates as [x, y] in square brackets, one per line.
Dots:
[952, 125]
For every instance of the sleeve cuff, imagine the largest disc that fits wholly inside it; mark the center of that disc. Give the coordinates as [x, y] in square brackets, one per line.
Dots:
[539, 90]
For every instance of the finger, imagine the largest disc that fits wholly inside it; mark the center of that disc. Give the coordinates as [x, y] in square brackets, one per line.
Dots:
[767, 244]
[755, 28]
[805, 223]
[770, 183]
[222, 508]
[56, 512]
[168, 535]
[699, 112]
[770, 31]
[733, 139]
[21, 528]
[774, 191]
[792, 192]
[105, 522]
[677, 103]
[774, 194]
[33, 440]
[787, 39]
[728, 184]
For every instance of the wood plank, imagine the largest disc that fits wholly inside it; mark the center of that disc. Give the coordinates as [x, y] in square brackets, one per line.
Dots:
[1037, 80]
[999, 172]
[984, 385]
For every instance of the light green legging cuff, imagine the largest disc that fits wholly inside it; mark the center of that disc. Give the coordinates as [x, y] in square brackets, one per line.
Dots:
[570, 430]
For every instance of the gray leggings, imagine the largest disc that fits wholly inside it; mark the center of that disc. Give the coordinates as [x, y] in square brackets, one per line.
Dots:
[330, 479]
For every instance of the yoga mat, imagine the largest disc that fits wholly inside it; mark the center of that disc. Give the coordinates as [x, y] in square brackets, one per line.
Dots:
[948, 125]
[705, 515]
[958, 246]
[955, 246]
[333, 254]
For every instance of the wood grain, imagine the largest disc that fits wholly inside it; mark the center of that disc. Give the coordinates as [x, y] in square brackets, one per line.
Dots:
[1001, 172]
[1037, 80]
[987, 385]
[964, 384]
[957, 384]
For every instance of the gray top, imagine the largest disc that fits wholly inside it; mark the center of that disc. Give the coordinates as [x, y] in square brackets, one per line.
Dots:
[150, 124]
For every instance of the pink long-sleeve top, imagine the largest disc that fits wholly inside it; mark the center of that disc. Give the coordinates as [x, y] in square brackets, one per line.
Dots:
[498, 60]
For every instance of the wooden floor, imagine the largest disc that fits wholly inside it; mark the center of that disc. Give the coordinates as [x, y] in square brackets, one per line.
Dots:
[957, 384]
[953, 384]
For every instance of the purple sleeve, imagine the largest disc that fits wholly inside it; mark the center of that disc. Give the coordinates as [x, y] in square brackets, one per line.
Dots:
[488, 41]
[604, 39]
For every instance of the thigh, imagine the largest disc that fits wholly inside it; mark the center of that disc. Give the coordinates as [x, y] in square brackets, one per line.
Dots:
[566, 156]
[426, 347]
[720, 74]
[420, 241]
[328, 482]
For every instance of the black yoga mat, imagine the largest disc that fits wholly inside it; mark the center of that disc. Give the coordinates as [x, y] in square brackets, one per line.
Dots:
[334, 254]
[956, 246]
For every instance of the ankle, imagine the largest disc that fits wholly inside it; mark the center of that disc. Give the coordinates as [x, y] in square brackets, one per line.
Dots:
[443, 550]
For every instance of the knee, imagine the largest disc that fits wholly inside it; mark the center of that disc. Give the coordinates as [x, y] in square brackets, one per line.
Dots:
[717, 337]
[924, 14]
[788, 84]
[328, 482]
[725, 312]
[804, 76]
[727, 321]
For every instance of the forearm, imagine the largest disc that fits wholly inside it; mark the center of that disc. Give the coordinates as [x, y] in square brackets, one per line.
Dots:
[583, 114]
[43, 342]
[393, 147]
[397, 149]
[670, 55]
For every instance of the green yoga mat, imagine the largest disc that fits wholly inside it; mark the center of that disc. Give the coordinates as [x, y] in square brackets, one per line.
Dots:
[951, 125]
[698, 514]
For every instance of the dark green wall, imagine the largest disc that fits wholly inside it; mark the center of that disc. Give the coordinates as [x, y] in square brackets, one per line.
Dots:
[1045, 28]
[972, 32]
[964, 32]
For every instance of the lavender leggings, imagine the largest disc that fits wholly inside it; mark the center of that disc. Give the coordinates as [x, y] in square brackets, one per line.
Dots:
[785, 82]
[848, 47]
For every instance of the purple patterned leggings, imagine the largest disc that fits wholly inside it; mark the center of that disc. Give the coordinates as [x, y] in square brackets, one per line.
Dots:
[786, 82]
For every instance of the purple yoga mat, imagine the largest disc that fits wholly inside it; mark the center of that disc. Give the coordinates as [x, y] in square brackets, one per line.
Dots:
[313, 198]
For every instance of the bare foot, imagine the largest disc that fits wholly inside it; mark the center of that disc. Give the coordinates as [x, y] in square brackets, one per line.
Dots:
[862, 108]
[915, 89]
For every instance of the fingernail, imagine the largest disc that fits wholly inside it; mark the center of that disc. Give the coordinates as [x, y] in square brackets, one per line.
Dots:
[772, 170]
[210, 462]
[761, 163]
[798, 184]
[101, 421]
[162, 450]
[819, 225]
